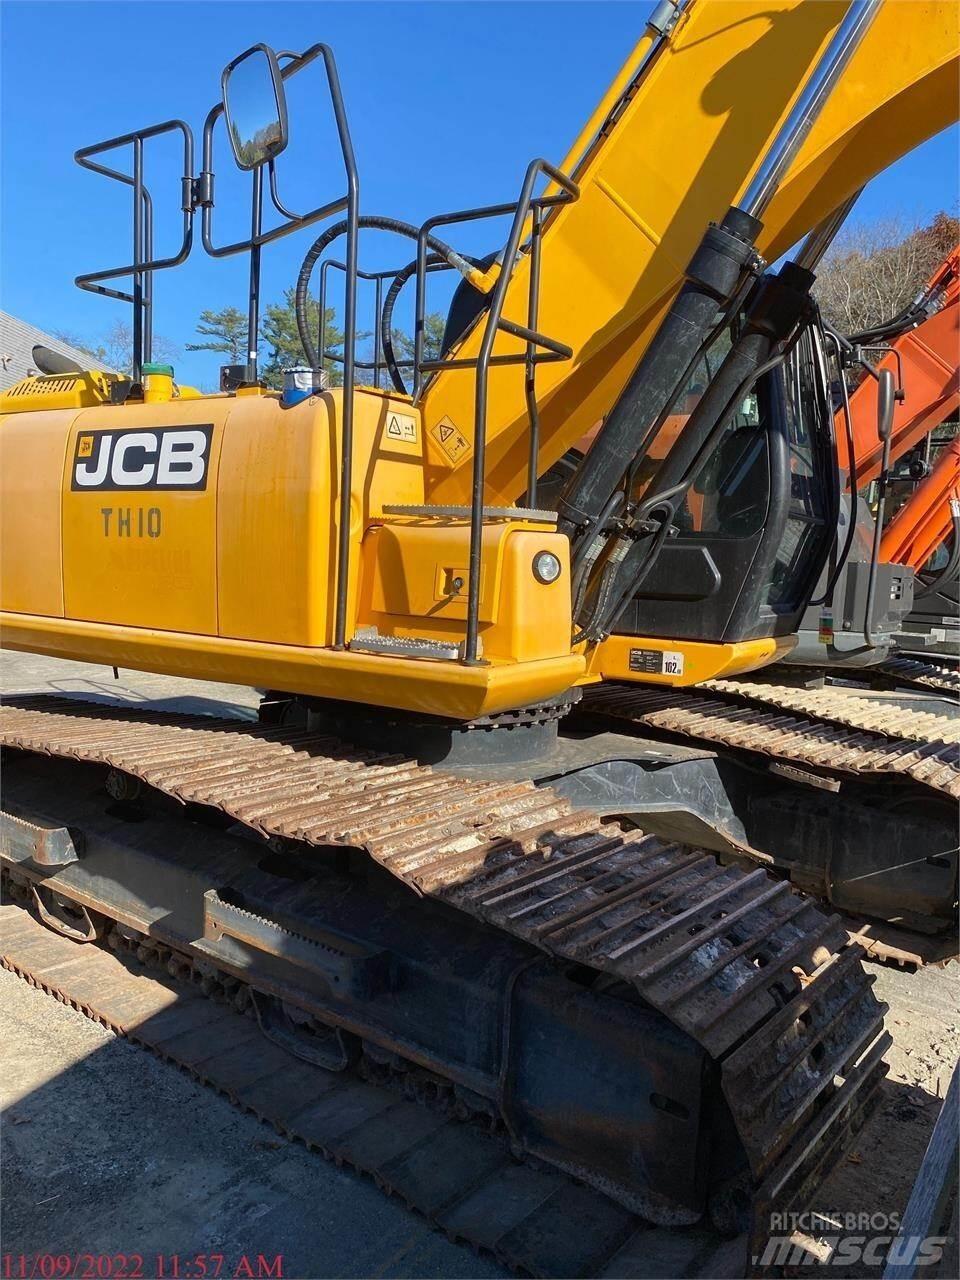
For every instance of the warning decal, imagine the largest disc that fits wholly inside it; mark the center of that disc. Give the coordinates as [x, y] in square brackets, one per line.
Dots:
[450, 439]
[401, 427]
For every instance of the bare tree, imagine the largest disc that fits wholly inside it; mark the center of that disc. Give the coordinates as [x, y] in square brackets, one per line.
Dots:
[875, 269]
[81, 344]
[118, 347]
[115, 348]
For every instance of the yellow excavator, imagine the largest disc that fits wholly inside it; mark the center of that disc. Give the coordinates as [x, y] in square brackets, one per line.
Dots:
[481, 647]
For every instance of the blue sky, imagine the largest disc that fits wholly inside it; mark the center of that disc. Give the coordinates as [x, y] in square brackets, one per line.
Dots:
[447, 103]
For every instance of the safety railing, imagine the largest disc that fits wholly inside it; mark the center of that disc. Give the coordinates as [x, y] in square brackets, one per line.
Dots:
[539, 349]
[144, 264]
[378, 364]
[526, 228]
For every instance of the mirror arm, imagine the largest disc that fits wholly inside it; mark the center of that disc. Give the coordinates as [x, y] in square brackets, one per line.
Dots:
[253, 306]
[275, 197]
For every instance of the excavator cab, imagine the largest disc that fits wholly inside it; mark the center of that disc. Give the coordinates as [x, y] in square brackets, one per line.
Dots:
[757, 523]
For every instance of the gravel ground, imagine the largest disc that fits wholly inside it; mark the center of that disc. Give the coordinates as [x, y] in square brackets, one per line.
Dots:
[108, 1150]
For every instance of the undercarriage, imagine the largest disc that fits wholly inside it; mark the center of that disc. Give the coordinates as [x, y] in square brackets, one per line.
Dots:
[691, 1040]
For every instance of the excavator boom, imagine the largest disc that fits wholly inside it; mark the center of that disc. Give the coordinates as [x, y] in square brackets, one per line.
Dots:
[927, 517]
[925, 358]
[678, 147]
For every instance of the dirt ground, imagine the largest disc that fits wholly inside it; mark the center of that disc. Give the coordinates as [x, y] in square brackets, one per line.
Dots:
[876, 1175]
[106, 1149]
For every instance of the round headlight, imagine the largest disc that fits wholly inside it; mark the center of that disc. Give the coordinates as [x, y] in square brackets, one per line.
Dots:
[546, 567]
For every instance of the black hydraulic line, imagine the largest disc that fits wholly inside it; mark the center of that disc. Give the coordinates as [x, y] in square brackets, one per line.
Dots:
[588, 551]
[386, 318]
[711, 280]
[923, 306]
[827, 596]
[776, 306]
[911, 316]
[316, 250]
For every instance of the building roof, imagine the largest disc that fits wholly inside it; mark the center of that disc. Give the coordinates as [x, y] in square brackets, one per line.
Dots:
[17, 340]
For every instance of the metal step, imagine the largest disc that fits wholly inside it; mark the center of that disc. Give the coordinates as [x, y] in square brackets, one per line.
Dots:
[454, 512]
[406, 647]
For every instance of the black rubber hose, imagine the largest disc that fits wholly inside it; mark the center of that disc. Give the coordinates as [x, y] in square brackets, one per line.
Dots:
[844, 556]
[712, 280]
[776, 307]
[313, 254]
[911, 315]
[386, 319]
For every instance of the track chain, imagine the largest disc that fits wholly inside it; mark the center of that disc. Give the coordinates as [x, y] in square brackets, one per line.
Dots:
[923, 673]
[756, 974]
[782, 730]
[839, 706]
[400, 1126]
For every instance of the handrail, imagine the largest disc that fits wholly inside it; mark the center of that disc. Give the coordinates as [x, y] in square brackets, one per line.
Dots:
[144, 264]
[538, 347]
[378, 277]
[258, 238]
[494, 322]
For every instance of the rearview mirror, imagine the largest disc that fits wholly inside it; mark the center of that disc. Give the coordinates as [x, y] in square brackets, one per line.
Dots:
[886, 400]
[255, 106]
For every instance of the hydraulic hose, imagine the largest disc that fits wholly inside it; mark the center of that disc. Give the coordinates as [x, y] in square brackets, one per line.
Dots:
[828, 590]
[775, 308]
[319, 246]
[712, 279]
[386, 318]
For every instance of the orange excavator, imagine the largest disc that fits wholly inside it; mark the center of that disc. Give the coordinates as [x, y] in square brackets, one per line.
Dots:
[924, 340]
[918, 531]
[924, 532]
[911, 556]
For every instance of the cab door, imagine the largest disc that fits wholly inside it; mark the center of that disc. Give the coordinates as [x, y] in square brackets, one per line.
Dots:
[758, 524]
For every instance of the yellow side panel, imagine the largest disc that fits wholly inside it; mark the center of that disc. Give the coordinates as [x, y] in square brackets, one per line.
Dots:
[31, 464]
[277, 520]
[437, 688]
[680, 153]
[534, 619]
[413, 569]
[410, 588]
[142, 558]
[697, 660]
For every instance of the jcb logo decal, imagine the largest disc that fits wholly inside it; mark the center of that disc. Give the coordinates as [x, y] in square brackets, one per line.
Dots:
[161, 458]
